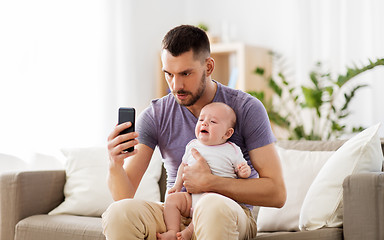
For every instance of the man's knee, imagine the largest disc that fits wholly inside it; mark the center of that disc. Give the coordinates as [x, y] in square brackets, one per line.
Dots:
[213, 205]
[133, 219]
[121, 211]
[217, 217]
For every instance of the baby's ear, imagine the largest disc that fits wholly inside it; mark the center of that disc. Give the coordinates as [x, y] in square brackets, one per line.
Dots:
[229, 133]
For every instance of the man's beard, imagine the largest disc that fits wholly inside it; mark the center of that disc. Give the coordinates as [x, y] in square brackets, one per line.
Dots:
[195, 97]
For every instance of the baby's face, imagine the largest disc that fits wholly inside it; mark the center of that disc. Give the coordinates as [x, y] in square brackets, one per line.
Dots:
[212, 125]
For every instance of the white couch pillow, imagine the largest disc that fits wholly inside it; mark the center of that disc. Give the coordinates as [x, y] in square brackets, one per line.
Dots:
[323, 205]
[86, 191]
[10, 163]
[42, 161]
[299, 170]
[149, 188]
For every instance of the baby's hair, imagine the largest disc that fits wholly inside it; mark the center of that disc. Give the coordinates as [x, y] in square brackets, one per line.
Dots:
[231, 111]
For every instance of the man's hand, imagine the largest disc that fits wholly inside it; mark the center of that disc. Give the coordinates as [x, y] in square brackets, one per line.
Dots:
[197, 176]
[174, 189]
[117, 143]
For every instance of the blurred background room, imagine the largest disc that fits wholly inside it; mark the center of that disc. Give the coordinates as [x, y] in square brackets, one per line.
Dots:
[67, 66]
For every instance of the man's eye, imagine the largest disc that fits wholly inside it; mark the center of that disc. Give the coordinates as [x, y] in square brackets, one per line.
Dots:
[186, 74]
[213, 121]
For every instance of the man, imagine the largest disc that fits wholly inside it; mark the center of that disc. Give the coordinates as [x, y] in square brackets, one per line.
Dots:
[169, 123]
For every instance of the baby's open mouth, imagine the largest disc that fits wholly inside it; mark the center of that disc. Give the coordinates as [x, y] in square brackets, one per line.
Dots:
[204, 131]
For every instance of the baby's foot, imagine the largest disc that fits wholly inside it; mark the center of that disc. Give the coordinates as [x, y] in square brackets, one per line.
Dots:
[170, 235]
[186, 234]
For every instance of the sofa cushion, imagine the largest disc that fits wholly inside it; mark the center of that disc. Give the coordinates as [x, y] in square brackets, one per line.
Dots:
[305, 164]
[323, 206]
[86, 191]
[59, 227]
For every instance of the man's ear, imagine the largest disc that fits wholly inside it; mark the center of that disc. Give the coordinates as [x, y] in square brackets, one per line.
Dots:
[210, 64]
[229, 133]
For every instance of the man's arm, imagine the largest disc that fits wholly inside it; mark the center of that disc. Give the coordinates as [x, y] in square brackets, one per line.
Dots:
[267, 190]
[124, 178]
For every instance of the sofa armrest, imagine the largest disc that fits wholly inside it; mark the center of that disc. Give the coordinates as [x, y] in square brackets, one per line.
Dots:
[23, 194]
[364, 206]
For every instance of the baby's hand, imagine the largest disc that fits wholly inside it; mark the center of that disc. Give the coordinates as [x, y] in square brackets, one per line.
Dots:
[174, 189]
[243, 170]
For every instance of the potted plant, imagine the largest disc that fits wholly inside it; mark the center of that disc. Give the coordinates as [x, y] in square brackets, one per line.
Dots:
[204, 27]
[324, 103]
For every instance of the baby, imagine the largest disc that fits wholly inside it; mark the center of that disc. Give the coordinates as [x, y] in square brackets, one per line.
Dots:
[215, 126]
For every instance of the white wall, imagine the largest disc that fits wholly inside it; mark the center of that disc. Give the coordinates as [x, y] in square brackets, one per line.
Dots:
[66, 66]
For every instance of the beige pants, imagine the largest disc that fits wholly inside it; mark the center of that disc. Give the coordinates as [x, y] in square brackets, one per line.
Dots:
[214, 217]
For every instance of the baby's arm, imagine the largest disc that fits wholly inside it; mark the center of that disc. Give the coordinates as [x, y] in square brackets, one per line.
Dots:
[243, 170]
[179, 180]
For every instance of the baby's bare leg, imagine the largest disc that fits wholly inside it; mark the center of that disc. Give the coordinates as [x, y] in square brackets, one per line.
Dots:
[187, 233]
[176, 204]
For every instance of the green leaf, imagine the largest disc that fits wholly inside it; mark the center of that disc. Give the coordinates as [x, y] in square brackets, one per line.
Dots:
[357, 129]
[283, 79]
[337, 127]
[312, 97]
[259, 95]
[348, 97]
[279, 120]
[353, 72]
[299, 132]
[276, 88]
[344, 115]
[259, 71]
[313, 77]
[329, 90]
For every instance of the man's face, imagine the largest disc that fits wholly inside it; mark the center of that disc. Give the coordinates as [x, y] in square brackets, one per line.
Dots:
[185, 75]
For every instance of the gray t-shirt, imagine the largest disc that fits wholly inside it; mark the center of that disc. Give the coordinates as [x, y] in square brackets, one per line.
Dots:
[171, 126]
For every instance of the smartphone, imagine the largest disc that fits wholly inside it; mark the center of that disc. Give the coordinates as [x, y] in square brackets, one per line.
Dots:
[127, 115]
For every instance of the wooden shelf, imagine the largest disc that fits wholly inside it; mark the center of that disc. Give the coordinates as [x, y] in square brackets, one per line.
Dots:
[234, 63]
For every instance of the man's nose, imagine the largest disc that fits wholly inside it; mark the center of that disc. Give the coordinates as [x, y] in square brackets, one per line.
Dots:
[178, 83]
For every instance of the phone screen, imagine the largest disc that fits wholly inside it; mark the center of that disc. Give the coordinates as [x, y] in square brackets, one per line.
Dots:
[127, 115]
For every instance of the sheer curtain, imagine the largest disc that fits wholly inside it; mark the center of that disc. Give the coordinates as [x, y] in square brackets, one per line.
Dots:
[66, 67]
[340, 34]
[52, 74]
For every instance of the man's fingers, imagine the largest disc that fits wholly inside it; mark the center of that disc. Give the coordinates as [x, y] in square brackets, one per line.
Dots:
[196, 154]
[118, 129]
[121, 142]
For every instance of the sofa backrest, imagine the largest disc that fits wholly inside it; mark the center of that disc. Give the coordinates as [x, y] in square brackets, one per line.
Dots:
[304, 145]
[307, 145]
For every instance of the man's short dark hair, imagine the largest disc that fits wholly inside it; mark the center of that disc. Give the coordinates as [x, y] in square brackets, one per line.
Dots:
[183, 38]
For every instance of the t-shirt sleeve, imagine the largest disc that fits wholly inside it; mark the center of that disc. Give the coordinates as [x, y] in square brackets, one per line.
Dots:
[257, 129]
[238, 155]
[146, 127]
